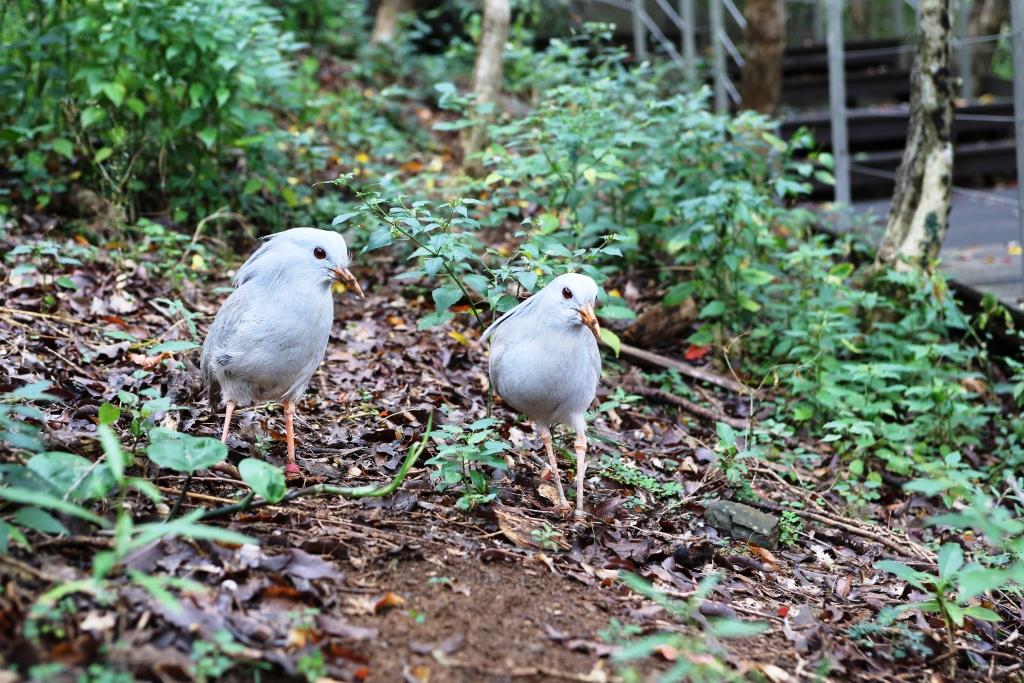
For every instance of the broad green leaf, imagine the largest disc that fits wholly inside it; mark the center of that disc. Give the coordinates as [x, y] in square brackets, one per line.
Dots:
[174, 346]
[109, 414]
[981, 613]
[615, 312]
[951, 558]
[39, 520]
[183, 452]
[115, 92]
[975, 580]
[547, 223]
[63, 147]
[36, 391]
[342, 218]
[91, 116]
[146, 488]
[10, 533]
[726, 434]
[102, 155]
[434, 319]
[378, 238]
[446, 296]
[156, 587]
[188, 527]
[137, 106]
[263, 478]
[840, 271]
[116, 460]
[756, 277]
[929, 487]
[902, 571]
[209, 136]
[71, 476]
[955, 612]
[612, 340]
[735, 628]
[45, 500]
[712, 310]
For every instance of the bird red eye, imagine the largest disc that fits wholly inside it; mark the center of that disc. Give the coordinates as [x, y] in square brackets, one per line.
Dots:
[566, 293]
[320, 253]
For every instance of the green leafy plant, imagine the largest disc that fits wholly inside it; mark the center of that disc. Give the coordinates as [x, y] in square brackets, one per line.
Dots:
[686, 613]
[462, 453]
[950, 590]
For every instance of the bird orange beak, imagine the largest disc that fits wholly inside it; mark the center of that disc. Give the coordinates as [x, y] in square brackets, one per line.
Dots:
[588, 318]
[345, 275]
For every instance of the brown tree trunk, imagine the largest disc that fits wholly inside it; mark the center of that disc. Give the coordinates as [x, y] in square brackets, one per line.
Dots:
[919, 214]
[385, 23]
[761, 87]
[487, 76]
[987, 19]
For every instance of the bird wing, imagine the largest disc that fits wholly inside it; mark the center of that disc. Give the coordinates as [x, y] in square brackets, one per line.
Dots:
[522, 308]
[248, 269]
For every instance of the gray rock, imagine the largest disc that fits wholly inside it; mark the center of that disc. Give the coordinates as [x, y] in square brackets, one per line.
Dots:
[743, 523]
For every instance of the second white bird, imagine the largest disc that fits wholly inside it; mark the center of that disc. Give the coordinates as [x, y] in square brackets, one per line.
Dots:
[545, 363]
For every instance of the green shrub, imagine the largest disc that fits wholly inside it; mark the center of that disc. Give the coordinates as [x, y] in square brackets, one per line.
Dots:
[146, 98]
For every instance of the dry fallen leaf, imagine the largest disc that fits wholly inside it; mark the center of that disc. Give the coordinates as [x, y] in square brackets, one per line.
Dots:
[388, 601]
[765, 556]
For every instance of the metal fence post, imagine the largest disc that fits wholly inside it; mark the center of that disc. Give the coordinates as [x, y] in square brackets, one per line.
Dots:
[718, 57]
[639, 31]
[963, 51]
[1017, 38]
[837, 105]
[689, 42]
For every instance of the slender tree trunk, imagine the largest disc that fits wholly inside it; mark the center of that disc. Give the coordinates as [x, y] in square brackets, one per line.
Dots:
[385, 23]
[919, 215]
[487, 76]
[987, 19]
[761, 86]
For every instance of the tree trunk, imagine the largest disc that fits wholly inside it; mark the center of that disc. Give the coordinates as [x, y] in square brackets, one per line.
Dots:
[919, 214]
[987, 19]
[487, 77]
[385, 23]
[761, 87]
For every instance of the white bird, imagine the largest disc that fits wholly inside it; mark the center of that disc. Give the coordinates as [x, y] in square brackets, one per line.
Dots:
[270, 335]
[545, 363]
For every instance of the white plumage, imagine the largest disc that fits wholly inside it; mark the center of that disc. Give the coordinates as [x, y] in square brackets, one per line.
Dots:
[270, 335]
[545, 363]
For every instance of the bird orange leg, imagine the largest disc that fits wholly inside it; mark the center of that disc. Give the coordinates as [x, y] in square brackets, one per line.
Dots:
[581, 469]
[545, 436]
[229, 409]
[226, 467]
[289, 431]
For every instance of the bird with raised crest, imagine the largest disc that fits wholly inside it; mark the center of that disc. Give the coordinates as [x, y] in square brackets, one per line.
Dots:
[545, 363]
[271, 333]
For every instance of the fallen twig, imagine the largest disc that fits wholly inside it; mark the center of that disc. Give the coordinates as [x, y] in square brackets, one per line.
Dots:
[687, 405]
[904, 547]
[368, 491]
[684, 369]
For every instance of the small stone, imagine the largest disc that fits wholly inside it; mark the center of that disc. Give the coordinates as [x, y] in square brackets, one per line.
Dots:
[743, 523]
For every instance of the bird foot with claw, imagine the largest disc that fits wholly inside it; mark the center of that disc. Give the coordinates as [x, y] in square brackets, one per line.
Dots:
[292, 470]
